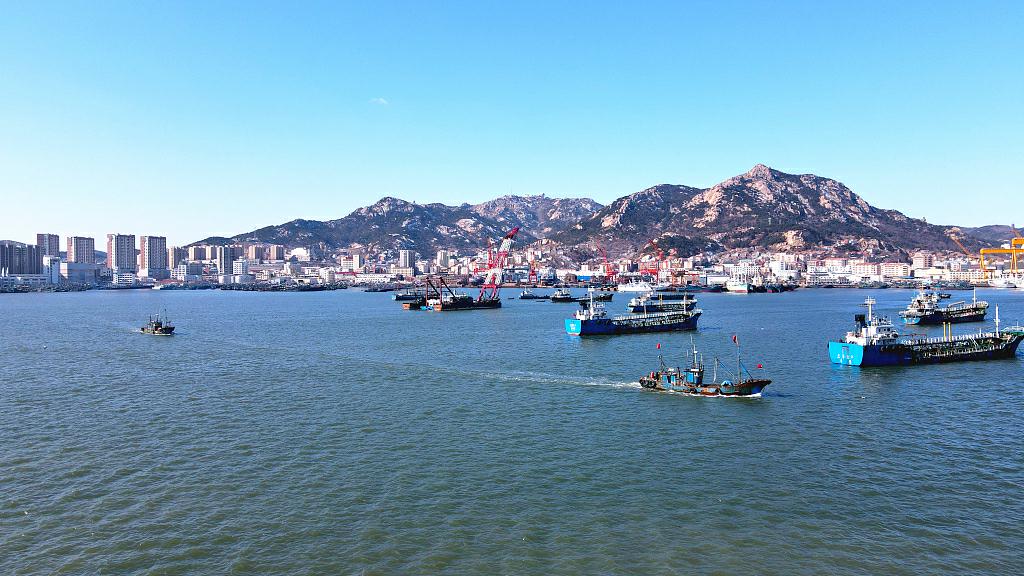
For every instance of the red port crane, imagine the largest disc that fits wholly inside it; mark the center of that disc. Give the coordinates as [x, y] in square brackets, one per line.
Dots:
[659, 255]
[494, 276]
[610, 271]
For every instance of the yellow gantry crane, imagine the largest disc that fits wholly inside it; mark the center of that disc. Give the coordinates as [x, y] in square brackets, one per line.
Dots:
[1016, 252]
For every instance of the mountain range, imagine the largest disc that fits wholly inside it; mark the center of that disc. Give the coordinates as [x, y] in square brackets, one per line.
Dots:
[761, 208]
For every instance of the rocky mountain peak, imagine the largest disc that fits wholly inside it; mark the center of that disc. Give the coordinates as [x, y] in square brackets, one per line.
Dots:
[761, 172]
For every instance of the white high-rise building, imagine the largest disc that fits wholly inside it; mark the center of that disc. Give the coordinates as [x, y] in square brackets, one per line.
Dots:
[406, 259]
[225, 260]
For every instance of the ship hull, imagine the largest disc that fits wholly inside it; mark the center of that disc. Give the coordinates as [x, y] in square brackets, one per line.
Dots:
[469, 305]
[940, 317]
[626, 325]
[961, 350]
[672, 383]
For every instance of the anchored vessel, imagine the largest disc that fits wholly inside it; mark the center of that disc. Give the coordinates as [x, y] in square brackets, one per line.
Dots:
[925, 309]
[408, 295]
[441, 298]
[528, 294]
[593, 319]
[875, 342]
[563, 295]
[659, 303]
[691, 380]
[737, 285]
[158, 326]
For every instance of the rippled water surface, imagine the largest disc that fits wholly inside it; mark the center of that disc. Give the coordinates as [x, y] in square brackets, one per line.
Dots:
[334, 433]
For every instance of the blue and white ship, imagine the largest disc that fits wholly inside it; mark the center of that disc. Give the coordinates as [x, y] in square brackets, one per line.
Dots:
[594, 320]
[876, 342]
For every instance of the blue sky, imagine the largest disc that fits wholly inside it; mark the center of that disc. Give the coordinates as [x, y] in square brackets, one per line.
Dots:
[193, 119]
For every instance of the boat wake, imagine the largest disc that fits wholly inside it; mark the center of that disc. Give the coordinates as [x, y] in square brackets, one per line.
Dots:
[617, 385]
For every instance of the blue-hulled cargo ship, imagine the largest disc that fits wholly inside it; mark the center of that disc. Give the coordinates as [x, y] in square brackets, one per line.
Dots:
[594, 320]
[875, 342]
[925, 309]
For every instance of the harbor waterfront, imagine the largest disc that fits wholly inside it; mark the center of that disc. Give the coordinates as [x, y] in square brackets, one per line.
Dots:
[334, 432]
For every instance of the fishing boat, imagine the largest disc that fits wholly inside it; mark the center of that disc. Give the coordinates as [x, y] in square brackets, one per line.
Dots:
[925, 309]
[593, 319]
[690, 381]
[875, 342]
[528, 294]
[659, 303]
[158, 326]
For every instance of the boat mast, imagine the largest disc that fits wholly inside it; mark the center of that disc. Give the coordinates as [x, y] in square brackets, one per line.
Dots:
[739, 375]
[997, 321]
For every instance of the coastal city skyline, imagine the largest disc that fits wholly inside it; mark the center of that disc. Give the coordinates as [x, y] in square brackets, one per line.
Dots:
[231, 131]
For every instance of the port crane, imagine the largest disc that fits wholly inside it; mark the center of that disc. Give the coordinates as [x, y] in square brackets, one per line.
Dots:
[496, 271]
[1016, 252]
[659, 255]
[610, 272]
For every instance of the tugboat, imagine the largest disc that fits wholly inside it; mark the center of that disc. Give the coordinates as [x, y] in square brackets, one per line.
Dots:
[876, 342]
[691, 380]
[924, 309]
[594, 320]
[528, 294]
[158, 327]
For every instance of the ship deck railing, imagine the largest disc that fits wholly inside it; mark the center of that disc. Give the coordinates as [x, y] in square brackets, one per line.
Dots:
[657, 315]
[957, 338]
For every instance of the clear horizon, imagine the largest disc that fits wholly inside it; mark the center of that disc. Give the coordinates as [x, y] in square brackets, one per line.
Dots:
[193, 120]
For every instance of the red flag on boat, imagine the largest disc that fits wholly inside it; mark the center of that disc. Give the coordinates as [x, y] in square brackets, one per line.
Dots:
[735, 341]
